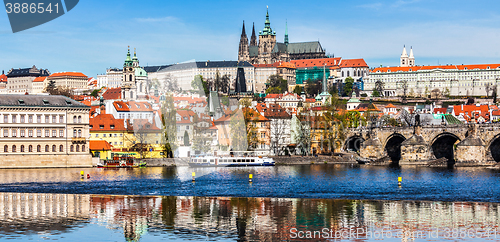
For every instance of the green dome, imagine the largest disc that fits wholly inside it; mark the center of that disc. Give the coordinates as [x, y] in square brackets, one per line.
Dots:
[140, 72]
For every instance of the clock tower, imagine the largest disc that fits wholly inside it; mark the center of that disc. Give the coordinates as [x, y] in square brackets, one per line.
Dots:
[129, 88]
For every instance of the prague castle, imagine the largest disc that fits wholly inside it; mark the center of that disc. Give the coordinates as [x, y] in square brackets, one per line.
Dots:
[268, 51]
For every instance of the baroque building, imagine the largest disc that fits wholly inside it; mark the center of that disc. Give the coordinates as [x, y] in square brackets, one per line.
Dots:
[268, 50]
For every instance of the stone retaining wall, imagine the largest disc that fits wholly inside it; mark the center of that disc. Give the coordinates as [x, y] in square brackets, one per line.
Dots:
[165, 162]
[299, 160]
[45, 161]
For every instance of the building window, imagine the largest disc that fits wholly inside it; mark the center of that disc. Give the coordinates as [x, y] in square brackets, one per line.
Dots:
[22, 119]
[74, 133]
[77, 148]
[61, 133]
[6, 148]
[83, 148]
[38, 148]
[71, 148]
[14, 118]
[39, 118]
[54, 133]
[101, 126]
[6, 118]
[112, 126]
[5, 133]
[121, 143]
[47, 133]
[79, 133]
[115, 135]
[79, 119]
[61, 148]
[96, 135]
[21, 133]
[74, 119]
[14, 148]
[54, 119]
[38, 133]
[61, 119]
[14, 133]
[30, 148]
[53, 148]
[47, 148]
[22, 148]
[47, 119]
[30, 119]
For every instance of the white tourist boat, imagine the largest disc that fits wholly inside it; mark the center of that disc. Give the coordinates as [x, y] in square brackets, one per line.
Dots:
[230, 161]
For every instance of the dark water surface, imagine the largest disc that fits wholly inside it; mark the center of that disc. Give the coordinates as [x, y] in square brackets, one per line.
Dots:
[77, 217]
[305, 181]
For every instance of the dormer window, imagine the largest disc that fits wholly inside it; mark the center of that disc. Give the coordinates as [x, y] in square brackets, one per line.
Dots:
[45, 102]
[68, 102]
[112, 127]
[21, 102]
[101, 126]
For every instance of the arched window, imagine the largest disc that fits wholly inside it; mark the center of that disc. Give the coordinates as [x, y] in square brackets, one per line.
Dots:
[22, 148]
[347, 73]
[79, 133]
[72, 148]
[14, 148]
[79, 119]
[83, 148]
[77, 148]
[30, 148]
[6, 148]
[47, 148]
[130, 79]
[61, 148]
[74, 133]
[74, 119]
[38, 148]
[140, 87]
[342, 73]
[359, 73]
[54, 148]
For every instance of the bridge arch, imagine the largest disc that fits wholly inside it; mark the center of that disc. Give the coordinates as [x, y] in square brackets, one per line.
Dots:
[443, 145]
[353, 143]
[494, 147]
[393, 146]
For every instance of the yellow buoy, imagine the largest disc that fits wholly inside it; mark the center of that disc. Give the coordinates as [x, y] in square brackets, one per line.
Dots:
[193, 174]
[250, 178]
[400, 179]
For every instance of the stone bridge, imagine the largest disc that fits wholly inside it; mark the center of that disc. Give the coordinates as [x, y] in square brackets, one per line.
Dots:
[461, 144]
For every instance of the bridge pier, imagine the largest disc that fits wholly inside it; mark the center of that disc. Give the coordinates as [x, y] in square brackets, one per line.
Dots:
[372, 149]
[415, 151]
[471, 151]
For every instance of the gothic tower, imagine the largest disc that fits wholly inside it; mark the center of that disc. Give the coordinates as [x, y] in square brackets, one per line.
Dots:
[128, 79]
[267, 41]
[411, 59]
[404, 58]
[286, 33]
[243, 52]
[253, 40]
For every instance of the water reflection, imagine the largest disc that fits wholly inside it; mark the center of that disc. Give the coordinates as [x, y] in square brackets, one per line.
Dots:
[24, 215]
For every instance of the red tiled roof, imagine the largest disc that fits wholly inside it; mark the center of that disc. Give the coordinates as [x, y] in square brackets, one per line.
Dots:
[287, 65]
[440, 110]
[274, 110]
[40, 79]
[68, 74]
[3, 78]
[107, 121]
[272, 95]
[495, 113]
[132, 106]
[275, 64]
[112, 93]
[316, 62]
[390, 106]
[353, 63]
[468, 109]
[447, 67]
[253, 115]
[100, 145]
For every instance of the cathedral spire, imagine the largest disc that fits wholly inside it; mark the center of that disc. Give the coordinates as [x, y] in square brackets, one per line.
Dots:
[267, 26]
[243, 33]
[286, 33]
[253, 39]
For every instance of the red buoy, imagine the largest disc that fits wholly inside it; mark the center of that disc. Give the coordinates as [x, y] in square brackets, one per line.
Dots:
[88, 176]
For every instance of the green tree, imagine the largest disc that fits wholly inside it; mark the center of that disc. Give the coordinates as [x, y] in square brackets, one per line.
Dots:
[199, 85]
[348, 85]
[375, 93]
[277, 83]
[95, 92]
[273, 90]
[313, 87]
[51, 87]
[186, 138]
[298, 89]
[169, 125]
[379, 86]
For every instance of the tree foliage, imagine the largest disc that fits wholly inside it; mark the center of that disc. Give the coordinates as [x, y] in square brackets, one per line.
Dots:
[298, 89]
[379, 86]
[348, 86]
[200, 86]
[276, 84]
[313, 88]
[169, 125]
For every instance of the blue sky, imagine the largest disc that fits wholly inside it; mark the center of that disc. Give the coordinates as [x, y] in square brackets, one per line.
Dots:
[95, 34]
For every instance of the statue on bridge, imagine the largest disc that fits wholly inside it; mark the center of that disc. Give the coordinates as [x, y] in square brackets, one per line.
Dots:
[417, 120]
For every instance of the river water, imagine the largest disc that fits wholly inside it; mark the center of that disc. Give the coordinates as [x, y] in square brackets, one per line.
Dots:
[303, 203]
